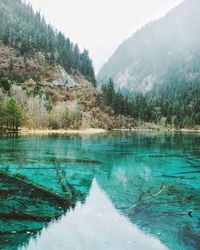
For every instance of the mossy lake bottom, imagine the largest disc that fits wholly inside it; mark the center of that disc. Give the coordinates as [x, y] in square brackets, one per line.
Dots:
[112, 191]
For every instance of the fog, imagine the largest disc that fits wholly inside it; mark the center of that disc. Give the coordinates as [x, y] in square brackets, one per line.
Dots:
[101, 25]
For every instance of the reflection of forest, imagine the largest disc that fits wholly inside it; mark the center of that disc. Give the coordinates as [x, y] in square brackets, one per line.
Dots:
[156, 186]
[152, 180]
[40, 179]
[26, 207]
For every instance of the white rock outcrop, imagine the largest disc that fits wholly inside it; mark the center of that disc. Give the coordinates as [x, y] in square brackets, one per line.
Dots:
[64, 79]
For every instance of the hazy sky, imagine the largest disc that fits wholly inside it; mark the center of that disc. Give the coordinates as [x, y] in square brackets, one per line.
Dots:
[101, 25]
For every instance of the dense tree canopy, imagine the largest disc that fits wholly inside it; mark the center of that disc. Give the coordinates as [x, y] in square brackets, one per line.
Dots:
[175, 103]
[11, 114]
[5, 83]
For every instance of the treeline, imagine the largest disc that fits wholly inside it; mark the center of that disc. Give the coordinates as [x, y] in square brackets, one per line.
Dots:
[174, 103]
[22, 107]
[11, 112]
[11, 115]
[28, 33]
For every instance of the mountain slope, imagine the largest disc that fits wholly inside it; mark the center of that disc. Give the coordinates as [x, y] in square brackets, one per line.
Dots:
[163, 51]
[29, 34]
[46, 82]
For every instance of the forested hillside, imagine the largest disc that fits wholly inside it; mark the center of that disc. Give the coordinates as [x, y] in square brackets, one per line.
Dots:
[28, 33]
[156, 73]
[176, 104]
[46, 82]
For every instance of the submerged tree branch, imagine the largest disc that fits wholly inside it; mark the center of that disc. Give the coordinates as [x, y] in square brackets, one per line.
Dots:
[142, 199]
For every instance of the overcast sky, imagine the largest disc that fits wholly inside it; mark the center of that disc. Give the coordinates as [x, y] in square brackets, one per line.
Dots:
[101, 25]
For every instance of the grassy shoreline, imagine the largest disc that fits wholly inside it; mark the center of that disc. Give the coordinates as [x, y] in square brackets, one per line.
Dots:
[88, 131]
[91, 131]
[159, 130]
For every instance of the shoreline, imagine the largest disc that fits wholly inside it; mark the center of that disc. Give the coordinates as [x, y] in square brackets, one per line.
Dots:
[93, 131]
[158, 130]
[88, 131]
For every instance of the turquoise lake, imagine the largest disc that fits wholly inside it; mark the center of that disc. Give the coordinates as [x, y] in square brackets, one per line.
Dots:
[115, 191]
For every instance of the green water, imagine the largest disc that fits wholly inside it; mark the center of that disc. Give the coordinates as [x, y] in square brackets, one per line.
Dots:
[104, 192]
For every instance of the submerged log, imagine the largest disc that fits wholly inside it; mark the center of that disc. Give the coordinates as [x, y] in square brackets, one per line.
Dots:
[46, 193]
[18, 215]
[66, 187]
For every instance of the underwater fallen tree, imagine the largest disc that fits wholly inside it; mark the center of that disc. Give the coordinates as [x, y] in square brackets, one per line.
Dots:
[19, 215]
[66, 187]
[146, 195]
[46, 193]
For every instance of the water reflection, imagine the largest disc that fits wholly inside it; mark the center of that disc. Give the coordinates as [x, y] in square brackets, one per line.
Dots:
[96, 225]
[53, 191]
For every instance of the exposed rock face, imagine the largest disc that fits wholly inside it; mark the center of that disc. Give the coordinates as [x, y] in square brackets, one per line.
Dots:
[13, 64]
[64, 79]
[54, 86]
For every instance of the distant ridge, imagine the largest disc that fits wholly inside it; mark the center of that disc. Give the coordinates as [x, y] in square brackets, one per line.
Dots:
[162, 51]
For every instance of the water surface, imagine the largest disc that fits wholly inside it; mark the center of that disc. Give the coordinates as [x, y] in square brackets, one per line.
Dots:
[112, 191]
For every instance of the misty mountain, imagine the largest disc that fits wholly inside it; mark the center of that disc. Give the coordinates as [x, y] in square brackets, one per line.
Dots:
[163, 51]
